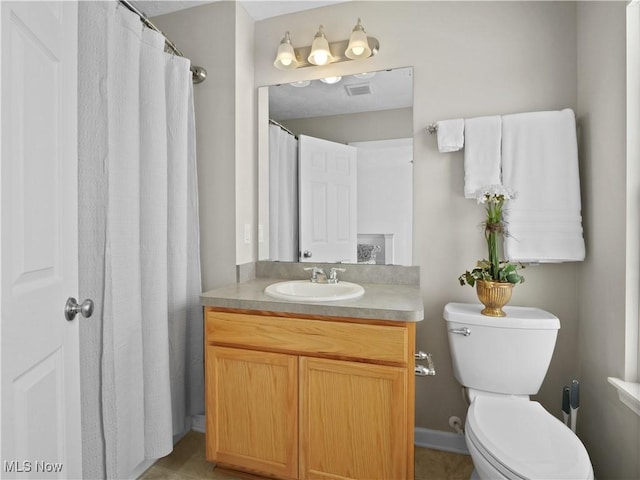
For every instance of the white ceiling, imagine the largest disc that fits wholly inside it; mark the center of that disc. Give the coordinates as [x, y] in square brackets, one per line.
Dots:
[159, 7]
[261, 9]
[258, 9]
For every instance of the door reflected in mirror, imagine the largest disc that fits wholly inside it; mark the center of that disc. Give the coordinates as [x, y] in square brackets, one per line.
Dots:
[336, 170]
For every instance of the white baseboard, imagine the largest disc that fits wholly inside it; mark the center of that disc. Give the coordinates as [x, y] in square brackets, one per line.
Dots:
[198, 423]
[439, 440]
[424, 437]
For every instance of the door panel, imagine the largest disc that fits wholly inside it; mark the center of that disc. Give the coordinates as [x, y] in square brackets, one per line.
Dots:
[40, 356]
[37, 393]
[34, 160]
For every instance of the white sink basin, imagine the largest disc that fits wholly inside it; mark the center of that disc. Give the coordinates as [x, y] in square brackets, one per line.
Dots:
[306, 291]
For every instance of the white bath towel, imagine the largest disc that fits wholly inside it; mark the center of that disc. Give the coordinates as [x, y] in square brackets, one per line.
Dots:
[540, 162]
[481, 153]
[450, 135]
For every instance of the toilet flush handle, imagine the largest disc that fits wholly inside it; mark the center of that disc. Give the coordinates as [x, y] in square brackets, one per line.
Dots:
[460, 331]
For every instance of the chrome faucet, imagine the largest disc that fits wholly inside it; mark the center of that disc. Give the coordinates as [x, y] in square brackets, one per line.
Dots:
[314, 274]
[332, 277]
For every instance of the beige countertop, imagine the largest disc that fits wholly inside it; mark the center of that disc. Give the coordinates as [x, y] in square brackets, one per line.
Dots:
[381, 302]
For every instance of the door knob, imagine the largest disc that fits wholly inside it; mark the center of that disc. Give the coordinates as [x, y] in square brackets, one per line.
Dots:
[307, 254]
[72, 308]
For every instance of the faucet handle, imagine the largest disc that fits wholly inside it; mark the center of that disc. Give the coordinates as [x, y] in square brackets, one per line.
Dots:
[314, 273]
[314, 269]
[333, 274]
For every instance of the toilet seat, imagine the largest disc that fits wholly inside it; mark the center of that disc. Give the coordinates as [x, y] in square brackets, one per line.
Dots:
[521, 440]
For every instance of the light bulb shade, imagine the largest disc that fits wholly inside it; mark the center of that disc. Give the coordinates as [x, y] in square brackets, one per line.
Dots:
[286, 56]
[358, 47]
[330, 80]
[320, 53]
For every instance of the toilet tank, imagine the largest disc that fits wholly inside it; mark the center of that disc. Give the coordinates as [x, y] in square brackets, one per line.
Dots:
[505, 355]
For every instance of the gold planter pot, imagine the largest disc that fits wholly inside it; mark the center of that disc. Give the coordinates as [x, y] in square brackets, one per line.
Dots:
[494, 296]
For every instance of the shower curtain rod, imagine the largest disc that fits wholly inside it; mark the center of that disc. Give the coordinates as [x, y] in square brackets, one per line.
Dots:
[198, 74]
[273, 122]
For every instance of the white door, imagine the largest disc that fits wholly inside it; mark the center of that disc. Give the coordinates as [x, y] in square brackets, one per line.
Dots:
[40, 379]
[328, 201]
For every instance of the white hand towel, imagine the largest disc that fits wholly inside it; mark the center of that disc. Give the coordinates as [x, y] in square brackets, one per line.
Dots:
[450, 135]
[540, 162]
[481, 153]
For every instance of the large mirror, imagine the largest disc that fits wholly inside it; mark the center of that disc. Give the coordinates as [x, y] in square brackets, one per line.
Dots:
[336, 169]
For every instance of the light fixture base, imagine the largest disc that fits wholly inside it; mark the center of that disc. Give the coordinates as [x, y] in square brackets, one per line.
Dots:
[337, 52]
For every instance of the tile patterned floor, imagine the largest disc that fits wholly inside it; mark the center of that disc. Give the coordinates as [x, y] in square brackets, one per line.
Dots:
[187, 462]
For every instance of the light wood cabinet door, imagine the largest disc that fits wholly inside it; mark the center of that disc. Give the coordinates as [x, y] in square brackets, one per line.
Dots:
[353, 420]
[252, 417]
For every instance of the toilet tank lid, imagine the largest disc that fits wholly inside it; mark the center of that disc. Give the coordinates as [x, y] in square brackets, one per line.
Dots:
[517, 317]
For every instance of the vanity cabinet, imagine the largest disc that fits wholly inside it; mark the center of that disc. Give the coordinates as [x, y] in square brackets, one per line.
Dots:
[309, 397]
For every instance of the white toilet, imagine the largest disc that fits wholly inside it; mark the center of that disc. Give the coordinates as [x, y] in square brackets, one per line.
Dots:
[500, 362]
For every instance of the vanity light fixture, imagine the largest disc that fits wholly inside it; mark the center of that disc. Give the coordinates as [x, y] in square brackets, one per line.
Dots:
[321, 52]
[286, 57]
[358, 47]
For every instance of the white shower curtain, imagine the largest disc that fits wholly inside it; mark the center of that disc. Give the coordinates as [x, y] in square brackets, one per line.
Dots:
[141, 353]
[283, 195]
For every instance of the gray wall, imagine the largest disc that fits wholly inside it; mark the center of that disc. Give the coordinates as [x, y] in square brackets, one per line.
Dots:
[246, 139]
[609, 429]
[356, 127]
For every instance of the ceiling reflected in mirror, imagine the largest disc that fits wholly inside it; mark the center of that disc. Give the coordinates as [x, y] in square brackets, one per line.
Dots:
[365, 92]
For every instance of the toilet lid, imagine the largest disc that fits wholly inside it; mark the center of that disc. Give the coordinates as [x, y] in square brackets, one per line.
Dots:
[526, 440]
